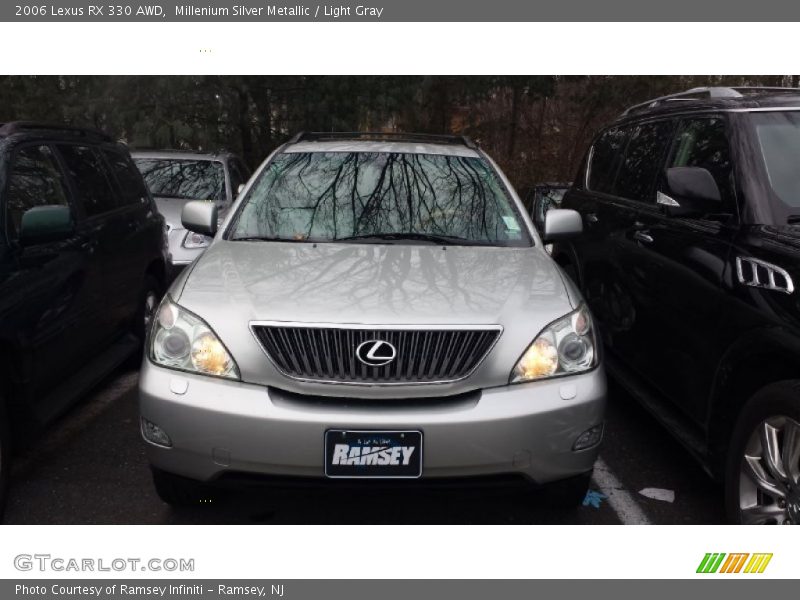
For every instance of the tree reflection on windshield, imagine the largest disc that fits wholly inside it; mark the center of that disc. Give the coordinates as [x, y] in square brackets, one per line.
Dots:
[184, 179]
[325, 196]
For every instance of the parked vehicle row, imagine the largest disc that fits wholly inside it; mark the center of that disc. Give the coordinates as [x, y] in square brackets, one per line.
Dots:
[378, 306]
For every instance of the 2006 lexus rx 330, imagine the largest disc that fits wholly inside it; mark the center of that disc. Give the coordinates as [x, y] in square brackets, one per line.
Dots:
[374, 306]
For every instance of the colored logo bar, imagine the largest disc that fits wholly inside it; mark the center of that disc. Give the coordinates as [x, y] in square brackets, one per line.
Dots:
[719, 562]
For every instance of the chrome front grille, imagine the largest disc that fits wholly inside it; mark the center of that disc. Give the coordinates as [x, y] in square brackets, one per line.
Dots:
[324, 353]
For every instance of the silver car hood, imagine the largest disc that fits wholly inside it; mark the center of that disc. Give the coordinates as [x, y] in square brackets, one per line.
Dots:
[236, 283]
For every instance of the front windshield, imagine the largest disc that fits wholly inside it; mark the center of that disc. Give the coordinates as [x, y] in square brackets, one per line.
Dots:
[375, 197]
[184, 179]
[778, 137]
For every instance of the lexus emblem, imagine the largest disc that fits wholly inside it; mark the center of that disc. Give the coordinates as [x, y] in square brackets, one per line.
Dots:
[376, 353]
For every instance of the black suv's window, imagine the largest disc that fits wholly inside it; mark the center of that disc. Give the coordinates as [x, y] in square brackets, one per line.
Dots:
[132, 188]
[643, 160]
[778, 137]
[606, 158]
[702, 142]
[89, 176]
[184, 179]
[34, 179]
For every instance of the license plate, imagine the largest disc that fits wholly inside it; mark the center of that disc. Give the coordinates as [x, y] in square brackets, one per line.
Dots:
[380, 454]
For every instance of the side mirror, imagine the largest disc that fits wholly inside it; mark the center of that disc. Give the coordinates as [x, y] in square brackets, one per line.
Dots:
[561, 223]
[45, 224]
[200, 216]
[692, 190]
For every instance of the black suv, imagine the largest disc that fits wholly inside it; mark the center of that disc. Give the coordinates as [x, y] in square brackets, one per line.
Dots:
[689, 260]
[82, 265]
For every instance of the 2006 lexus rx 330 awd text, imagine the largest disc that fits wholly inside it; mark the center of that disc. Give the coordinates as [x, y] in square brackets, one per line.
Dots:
[374, 306]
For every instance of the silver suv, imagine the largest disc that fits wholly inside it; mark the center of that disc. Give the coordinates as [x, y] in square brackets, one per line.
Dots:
[373, 306]
[175, 178]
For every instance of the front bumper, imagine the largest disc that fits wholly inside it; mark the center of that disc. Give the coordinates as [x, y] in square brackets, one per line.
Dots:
[220, 427]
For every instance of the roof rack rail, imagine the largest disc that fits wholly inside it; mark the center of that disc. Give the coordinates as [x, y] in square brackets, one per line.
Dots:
[29, 126]
[700, 93]
[162, 150]
[315, 136]
[755, 89]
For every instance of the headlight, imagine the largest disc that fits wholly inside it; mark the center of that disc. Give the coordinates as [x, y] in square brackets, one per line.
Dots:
[563, 347]
[194, 240]
[181, 340]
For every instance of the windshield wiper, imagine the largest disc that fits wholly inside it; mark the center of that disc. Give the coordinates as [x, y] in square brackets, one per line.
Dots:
[793, 220]
[264, 238]
[442, 240]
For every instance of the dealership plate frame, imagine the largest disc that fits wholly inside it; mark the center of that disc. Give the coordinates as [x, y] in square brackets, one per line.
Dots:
[376, 432]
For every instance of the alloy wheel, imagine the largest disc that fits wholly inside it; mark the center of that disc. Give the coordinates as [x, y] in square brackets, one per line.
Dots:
[769, 479]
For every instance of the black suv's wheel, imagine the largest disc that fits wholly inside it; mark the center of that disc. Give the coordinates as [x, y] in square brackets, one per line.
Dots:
[148, 303]
[762, 476]
[179, 491]
[568, 493]
[5, 456]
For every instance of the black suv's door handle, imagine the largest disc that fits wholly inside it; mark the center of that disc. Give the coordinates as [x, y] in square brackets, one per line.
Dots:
[591, 218]
[643, 236]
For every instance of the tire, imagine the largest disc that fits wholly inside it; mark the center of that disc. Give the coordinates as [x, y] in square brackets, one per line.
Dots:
[5, 456]
[567, 493]
[149, 298]
[759, 490]
[180, 491]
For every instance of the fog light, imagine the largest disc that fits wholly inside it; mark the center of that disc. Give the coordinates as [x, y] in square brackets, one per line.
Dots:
[154, 434]
[590, 437]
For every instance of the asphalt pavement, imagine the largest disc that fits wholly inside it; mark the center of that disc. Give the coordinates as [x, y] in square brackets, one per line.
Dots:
[90, 468]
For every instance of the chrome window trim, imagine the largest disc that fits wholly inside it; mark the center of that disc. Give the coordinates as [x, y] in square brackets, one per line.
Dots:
[325, 325]
[765, 109]
[589, 160]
